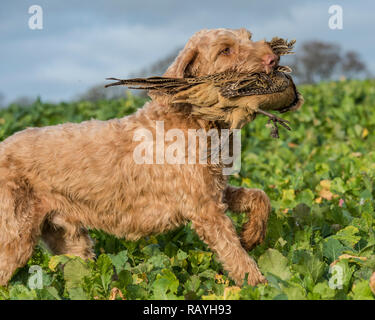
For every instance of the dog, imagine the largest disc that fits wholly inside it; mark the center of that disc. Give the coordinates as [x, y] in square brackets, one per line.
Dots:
[56, 182]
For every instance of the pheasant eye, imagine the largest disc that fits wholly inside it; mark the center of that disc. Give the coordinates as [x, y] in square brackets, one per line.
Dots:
[225, 51]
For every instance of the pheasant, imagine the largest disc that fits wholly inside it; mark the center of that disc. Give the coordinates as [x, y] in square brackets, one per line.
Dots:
[230, 96]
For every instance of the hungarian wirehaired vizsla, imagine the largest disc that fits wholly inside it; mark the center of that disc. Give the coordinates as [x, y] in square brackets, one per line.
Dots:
[58, 181]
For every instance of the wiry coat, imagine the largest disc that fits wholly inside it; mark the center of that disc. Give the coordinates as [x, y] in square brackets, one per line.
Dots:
[55, 182]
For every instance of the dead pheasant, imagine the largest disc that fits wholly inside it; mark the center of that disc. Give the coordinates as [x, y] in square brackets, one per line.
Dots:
[231, 96]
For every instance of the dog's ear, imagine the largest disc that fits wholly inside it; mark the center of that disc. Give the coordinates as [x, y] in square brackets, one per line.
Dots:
[245, 33]
[181, 67]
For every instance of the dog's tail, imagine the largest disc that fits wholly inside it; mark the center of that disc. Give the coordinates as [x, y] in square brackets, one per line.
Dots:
[168, 85]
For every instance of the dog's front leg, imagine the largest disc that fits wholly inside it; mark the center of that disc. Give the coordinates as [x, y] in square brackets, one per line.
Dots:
[257, 206]
[217, 230]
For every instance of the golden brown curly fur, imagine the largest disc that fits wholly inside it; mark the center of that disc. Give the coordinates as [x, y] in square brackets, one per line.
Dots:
[57, 181]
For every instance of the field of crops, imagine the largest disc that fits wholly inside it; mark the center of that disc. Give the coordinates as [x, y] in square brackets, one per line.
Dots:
[320, 242]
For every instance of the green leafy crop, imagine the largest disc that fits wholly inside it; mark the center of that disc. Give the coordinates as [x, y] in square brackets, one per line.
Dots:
[320, 242]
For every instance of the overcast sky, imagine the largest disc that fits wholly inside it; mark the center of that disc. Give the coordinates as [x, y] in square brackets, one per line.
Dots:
[83, 42]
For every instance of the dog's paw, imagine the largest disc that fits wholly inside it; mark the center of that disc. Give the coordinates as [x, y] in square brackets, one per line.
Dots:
[256, 279]
[253, 235]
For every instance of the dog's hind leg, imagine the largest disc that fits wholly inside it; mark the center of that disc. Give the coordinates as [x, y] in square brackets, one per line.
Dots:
[256, 204]
[20, 223]
[64, 237]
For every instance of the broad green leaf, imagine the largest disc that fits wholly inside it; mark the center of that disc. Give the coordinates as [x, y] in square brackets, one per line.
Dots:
[295, 292]
[165, 286]
[324, 291]
[119, 260]
[193, 283]
[181, 255]
[338, 186]
[200, 260]
[361, 291]
[105, 268]
[77, 293]
[348, 236]
[48, 293]
[74, 272]
[306, 197]
[272, 261]
[308, 264]
[159, 261]
[21, 292]
[332, 248]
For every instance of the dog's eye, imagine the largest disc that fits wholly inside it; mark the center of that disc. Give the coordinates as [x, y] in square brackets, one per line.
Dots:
[225, 51]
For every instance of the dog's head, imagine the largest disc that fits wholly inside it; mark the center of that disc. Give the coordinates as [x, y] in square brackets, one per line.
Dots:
[218, 50]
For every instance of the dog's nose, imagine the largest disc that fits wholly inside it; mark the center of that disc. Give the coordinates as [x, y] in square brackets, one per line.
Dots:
[269, 61]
